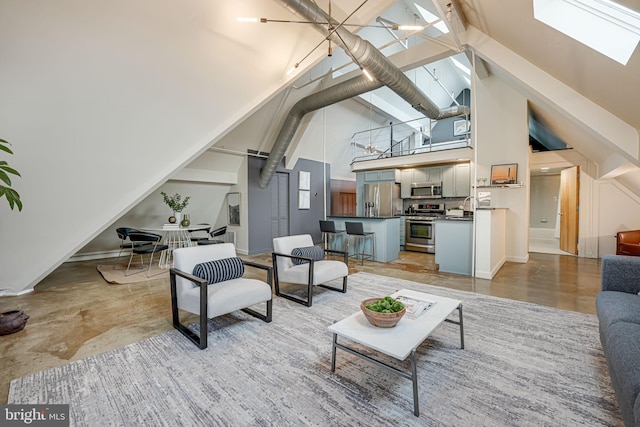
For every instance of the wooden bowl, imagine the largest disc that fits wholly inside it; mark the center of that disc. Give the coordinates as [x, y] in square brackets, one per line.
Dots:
[381, 320]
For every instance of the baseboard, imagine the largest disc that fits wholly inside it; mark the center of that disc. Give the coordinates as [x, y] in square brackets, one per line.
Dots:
[522, 260]
[88, 256]
[8, 293]
[490, 274]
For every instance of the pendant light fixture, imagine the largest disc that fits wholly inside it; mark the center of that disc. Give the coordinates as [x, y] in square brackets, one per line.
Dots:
[332, 29]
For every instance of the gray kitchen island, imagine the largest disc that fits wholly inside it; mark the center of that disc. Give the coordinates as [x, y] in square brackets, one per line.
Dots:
[387, 229]
[454, 244]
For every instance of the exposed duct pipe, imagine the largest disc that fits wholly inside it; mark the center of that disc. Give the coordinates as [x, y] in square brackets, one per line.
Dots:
[340, 92]
[363, 53]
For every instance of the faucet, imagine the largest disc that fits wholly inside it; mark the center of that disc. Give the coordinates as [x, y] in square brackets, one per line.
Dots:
[465, 201]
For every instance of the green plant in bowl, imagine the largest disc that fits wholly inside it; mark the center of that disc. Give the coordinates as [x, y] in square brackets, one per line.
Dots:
[386, 305]
[383, 312]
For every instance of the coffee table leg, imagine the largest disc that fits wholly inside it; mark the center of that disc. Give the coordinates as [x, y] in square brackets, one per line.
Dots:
[414, 379]
[333, 353]
[461, 327]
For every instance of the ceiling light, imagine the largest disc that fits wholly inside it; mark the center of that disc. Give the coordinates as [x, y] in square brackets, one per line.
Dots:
[431, 18]
[332, 27]
[544, 169]
[410, 27]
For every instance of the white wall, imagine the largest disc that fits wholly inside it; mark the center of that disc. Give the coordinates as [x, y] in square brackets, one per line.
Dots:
[328, 135]
[618, 210]
[207, 204]
[104, 101]
[503, 137]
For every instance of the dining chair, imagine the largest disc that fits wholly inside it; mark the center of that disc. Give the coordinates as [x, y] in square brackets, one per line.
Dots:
[145, 244]
[215, 233]
[200, 232]
[125, 243]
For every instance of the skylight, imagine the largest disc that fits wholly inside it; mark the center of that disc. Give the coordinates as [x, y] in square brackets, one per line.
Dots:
[460, 66]
[603, 25]
[430, 17]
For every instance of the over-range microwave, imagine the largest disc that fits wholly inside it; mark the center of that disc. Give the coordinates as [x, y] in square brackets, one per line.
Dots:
[426, 190]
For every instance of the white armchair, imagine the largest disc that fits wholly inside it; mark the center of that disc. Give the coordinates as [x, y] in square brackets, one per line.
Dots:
[312, 273]
[191, 293]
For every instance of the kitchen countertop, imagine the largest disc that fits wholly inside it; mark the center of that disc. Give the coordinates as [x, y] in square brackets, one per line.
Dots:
[364, 217]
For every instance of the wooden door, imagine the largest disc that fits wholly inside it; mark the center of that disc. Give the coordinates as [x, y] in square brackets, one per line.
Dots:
[347, 204]
[569, 209]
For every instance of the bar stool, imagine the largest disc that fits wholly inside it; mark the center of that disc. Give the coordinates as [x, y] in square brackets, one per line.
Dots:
[329, 234]
[356, 230]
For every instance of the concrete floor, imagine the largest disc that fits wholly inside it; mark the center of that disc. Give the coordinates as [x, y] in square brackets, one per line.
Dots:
[74, 313]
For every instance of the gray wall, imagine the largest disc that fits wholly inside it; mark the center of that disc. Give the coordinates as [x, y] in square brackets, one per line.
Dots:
[443, 130]
[301, 221]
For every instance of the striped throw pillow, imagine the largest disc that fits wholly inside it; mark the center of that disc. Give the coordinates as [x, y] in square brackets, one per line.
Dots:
[219, 270]
[316, 253]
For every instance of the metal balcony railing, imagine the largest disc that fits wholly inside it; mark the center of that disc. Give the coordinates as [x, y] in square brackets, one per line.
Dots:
[412, 137]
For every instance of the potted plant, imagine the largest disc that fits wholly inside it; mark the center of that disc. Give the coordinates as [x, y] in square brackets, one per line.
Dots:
[177, 204]
[5, 186]
[14, 320]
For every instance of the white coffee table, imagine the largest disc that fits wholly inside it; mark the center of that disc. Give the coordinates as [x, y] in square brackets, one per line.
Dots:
[400, 341]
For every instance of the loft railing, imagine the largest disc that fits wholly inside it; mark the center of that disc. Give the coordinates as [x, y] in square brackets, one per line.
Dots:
[412, 137]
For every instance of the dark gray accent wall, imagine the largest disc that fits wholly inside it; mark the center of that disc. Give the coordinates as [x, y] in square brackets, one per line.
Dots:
[443, 130]
[301, 221]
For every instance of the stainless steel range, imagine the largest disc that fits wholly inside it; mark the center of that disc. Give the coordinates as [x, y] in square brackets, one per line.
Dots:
[420, 233]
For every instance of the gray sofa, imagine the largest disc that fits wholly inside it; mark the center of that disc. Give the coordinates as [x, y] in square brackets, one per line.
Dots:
[618, 309]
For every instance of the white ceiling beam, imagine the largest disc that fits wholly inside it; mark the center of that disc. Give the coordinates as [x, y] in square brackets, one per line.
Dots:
[540, 86]
[614, 166]
[457, 10]
[480, 67]
[452, 31]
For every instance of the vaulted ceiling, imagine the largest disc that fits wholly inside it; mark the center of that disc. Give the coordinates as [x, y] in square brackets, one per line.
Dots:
[608, 91]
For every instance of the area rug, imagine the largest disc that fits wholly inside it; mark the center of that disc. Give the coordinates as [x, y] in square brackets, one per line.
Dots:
[117, 275]
[523, 365]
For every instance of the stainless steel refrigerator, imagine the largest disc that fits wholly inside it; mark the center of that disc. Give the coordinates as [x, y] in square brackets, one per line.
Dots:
[382, 199]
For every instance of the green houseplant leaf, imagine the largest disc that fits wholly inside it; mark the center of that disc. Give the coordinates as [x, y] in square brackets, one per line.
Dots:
[175, 202]
[12, 196]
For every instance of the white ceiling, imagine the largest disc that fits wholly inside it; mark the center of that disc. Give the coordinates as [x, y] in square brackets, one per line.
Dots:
[609, 84]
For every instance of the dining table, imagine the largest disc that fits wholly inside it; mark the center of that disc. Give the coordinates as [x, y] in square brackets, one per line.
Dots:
[174, 236]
